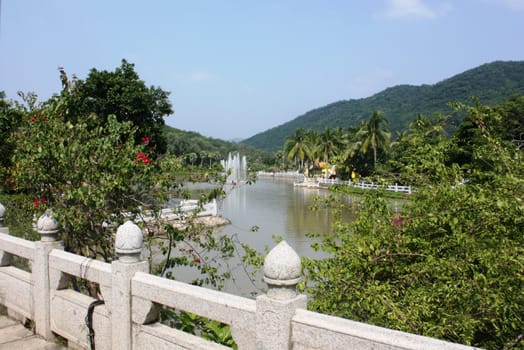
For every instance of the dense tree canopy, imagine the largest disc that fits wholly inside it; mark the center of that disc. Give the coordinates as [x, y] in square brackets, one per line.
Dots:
[10, 119]
[123, 94]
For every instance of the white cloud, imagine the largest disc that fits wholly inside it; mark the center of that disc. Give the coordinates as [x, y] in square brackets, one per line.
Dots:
[414, 9]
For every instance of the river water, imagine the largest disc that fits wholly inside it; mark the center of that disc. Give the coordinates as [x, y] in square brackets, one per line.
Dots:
[276, 208]
[267, 209]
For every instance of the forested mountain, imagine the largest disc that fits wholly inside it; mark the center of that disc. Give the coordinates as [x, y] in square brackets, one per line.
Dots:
[491, 83]
[202, 149]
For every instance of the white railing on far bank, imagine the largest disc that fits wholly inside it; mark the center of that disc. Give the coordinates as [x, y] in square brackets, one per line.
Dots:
[372, 186]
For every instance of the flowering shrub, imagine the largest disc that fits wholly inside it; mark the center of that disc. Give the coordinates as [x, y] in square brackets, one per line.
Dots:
[88, 176]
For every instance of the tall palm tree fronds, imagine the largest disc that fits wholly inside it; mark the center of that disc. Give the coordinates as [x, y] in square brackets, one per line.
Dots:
[330, 143]
[373, 135]
[296, 147]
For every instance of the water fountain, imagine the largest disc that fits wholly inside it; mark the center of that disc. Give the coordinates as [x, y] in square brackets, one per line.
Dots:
[236, 167]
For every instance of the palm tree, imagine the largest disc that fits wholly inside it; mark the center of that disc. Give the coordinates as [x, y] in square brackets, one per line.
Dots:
[401, 137]
[374, 135]
[352, 144]
[312, 141]
[331, 142]
[296, 147]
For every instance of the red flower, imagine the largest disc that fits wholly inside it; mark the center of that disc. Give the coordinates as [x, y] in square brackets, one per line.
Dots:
[399, 220]
[141, 157]
[145, 140]
[33, 119]
[37, 201]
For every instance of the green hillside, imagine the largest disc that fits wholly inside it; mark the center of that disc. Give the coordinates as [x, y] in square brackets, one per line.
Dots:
[491, 83]
[206, 149]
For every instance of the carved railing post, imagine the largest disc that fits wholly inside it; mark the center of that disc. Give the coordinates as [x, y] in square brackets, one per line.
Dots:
[48, 229]
[128, 247]
[282, 270]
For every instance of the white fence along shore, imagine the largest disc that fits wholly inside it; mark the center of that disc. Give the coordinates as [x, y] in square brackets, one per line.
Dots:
[317, 182]
[132, 297]
[373, 186]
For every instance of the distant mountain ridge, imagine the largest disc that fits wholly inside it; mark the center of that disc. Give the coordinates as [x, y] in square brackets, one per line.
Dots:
[491, 83]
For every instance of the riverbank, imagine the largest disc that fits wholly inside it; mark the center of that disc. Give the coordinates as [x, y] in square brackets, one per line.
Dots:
[339, 186]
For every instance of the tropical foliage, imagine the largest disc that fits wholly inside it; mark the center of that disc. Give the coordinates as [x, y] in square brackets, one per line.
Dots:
[373, 135]
[354, 150]
[449, 264]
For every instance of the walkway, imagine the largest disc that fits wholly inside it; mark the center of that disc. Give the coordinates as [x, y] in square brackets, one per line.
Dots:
[14, 336]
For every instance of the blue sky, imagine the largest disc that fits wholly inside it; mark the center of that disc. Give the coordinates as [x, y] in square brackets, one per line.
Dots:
[236, 68]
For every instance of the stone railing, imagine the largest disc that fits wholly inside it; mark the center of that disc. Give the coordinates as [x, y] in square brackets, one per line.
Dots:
[128, 319]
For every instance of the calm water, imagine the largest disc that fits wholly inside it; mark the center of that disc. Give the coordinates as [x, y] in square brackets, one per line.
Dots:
[276, 208]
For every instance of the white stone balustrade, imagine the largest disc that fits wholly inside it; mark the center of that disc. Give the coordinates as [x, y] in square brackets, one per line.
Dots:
[129, 318]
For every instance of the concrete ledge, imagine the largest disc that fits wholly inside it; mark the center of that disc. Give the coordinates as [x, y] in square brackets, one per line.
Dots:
[80, 266]
[17, 246]
[68, 312]
[312, 330]
[219, 306]
[16, 291]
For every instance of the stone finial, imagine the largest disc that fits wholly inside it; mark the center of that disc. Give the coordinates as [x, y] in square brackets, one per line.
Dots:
[2, 214]
[47, 227]
[282, 271]
[129, 242]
